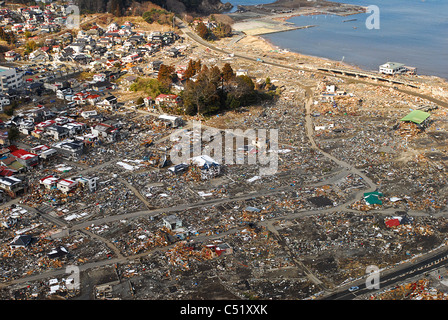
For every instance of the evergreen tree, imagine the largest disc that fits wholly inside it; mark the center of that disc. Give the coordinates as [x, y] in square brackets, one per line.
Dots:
[227, 72]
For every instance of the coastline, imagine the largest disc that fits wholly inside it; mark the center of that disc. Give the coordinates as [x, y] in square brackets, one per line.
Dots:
[282, 24]
[258, 46]
[301, 55]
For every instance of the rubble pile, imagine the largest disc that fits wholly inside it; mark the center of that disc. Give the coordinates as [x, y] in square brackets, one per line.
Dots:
[332, 242]
[418, 290]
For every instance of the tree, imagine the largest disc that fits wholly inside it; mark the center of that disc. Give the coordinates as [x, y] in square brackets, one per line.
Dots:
[30, 46]
[190, 71]
[245, 90]
[203, 31]
[115, 8]
[227, 72]
[203, 96]
[222, 30]
[151, 87]
[9, 36]
[166, 75]
[13, 133]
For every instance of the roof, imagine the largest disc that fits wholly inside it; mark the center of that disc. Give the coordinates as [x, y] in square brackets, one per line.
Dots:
[22, 240]
[67, 182]
[392, 65]
[49, 180]
[373, 197]
[204, 160]
[392, 223]
[416, 116]
[23, 154]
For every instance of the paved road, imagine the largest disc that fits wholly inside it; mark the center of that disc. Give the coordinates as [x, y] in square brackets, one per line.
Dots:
[392, 277]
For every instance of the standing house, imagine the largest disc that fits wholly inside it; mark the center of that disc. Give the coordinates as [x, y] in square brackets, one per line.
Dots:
[109, 102]
[170, 100]
[12, 185]
[66, 185]
[26, 158]
[89, 182]
[57, 132]
[48, 182]
[70, 149]
[392, 68]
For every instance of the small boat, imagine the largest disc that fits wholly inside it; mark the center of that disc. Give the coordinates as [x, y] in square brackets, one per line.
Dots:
[349, 20]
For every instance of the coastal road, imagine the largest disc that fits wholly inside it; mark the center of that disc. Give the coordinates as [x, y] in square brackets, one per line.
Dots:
[393, 277]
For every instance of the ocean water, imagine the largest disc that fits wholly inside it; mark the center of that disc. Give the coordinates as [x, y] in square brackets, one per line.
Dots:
[413, 32]
[245, 3]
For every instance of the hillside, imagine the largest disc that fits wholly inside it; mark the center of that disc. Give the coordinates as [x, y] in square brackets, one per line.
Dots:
[121, 7]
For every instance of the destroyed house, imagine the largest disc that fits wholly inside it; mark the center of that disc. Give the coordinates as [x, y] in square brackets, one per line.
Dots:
[209, 167]
[21, 241]
[57, 252]
[172, 222]
[178, 168]
[221, 248]
[416, 116]
[105, 131]
[167, 100]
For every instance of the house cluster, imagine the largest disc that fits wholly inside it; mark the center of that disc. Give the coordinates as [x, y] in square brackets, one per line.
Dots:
[67, 134]
[50, 18]
[103, 48]
[67, 185]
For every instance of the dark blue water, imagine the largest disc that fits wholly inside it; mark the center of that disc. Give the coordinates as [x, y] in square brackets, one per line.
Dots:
[413, 32]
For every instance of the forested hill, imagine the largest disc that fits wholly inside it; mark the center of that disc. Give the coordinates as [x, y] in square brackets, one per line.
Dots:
[118, 7]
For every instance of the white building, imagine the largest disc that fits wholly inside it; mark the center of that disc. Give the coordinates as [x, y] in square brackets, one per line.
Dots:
[66, 185]
[392, 68]
[10, 78]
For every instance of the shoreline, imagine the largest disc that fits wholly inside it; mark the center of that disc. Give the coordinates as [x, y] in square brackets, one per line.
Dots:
[258, 46]
[279, 48]
[284, 25]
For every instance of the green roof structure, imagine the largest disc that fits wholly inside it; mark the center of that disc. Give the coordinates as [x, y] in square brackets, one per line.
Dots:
[416, 116]
[373, 198]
